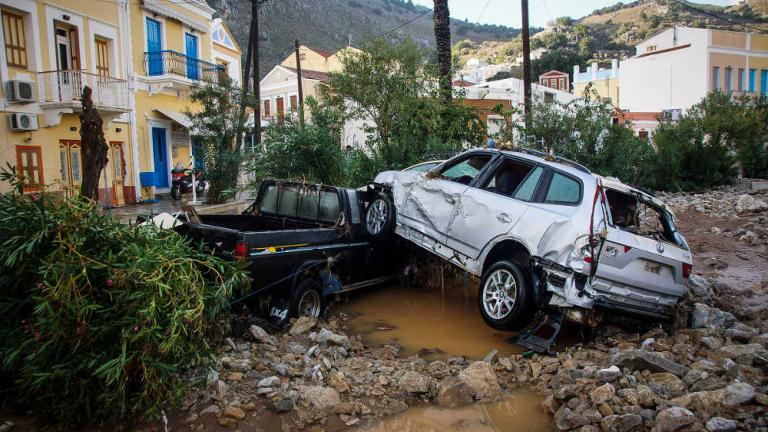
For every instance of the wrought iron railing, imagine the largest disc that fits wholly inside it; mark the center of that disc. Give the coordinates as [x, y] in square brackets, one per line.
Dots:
[175, 63]
[67, 86]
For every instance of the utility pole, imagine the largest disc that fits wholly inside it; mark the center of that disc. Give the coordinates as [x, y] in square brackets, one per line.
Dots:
[526, 63]
[299, 81]
[256, 87]
[245, 85]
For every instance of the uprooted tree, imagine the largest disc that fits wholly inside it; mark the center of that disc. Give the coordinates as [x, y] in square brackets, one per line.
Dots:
[94, 146]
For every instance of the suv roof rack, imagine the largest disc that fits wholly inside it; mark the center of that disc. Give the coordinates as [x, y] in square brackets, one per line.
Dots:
[554, 158]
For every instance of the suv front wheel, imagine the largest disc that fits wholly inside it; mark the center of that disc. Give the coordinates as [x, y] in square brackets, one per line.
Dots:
[504, 296]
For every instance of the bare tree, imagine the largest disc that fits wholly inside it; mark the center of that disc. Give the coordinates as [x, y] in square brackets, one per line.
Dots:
[441, 18]
[94, 146]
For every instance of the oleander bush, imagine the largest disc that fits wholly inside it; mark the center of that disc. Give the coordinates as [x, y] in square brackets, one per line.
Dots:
[98, 318]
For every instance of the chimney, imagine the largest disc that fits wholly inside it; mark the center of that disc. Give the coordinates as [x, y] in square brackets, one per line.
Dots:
[614, 68]
[594, 70]
[576, 72]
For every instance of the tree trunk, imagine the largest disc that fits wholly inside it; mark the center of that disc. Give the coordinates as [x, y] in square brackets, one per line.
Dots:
[93, 147]
[441, 18]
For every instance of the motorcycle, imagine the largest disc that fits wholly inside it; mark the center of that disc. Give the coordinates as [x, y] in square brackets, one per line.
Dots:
[181, 180]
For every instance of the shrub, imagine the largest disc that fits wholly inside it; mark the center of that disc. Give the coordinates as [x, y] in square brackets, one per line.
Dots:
[99, 318]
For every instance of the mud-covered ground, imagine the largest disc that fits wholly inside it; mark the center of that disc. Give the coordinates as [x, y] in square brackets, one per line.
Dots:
[427, 363]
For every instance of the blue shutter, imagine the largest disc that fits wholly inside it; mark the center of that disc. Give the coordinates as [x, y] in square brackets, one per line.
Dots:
[154, 48]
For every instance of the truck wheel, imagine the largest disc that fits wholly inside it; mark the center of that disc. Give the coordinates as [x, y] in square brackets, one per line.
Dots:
[176, 192]
[380, 217]
[504, 296]
[307, 299]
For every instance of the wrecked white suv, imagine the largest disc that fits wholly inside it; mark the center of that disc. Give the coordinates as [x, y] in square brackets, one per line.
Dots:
[539, 231]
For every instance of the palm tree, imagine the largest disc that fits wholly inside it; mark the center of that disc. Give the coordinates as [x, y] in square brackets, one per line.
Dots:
[441, 18]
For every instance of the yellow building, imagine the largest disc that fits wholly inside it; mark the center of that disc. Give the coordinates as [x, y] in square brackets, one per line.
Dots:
[140, 58]
[604, 82]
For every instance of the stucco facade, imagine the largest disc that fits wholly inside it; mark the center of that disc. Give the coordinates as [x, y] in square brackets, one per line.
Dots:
[678, 67]
[140, 81]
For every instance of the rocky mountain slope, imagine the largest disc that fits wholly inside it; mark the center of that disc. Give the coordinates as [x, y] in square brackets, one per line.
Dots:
[331, 24]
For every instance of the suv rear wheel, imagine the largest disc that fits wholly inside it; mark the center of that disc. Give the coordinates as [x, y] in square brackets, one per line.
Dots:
[504, 296]
[380, 217]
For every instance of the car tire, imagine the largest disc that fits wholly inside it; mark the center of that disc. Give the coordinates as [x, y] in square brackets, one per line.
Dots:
[307, 299]
[380, 217]
[176, 192]
[504, 296]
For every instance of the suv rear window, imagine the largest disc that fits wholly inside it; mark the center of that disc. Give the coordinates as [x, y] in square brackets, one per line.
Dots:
[563, 190]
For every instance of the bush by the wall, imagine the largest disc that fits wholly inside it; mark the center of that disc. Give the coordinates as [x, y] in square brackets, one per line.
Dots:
[99, 318]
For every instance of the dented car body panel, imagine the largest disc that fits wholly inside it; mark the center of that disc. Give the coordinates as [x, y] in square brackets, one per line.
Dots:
[584, 234]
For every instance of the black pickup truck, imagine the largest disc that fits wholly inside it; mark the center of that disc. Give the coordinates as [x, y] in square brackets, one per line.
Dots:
[302, 243]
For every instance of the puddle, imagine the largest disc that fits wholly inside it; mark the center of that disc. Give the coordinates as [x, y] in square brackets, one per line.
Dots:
[424, 324]
[518, 411]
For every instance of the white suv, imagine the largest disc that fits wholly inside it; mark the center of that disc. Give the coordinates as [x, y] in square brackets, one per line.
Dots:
[538, 230]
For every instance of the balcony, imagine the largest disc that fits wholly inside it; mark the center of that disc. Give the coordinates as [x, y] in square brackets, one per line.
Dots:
[62, 90]
[171, 68]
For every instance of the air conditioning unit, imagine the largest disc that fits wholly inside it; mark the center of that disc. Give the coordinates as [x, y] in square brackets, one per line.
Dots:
[22, 121]
[20, 91]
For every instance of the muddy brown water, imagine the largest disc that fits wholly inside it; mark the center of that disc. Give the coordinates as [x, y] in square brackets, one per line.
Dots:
[423, 322]
[518, 411]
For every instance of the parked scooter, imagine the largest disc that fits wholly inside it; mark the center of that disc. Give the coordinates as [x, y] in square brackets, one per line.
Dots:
[182, 182]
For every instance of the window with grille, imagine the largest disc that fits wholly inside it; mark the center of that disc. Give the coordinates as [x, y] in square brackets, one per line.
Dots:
[15, 40]
[29, 161]
[266, 108]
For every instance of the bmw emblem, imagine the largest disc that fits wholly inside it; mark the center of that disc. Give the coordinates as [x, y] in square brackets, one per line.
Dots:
[660, 247]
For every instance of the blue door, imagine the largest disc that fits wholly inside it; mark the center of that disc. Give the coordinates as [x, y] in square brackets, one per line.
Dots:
[160, 153]
[764, 82]
[192, 68]
[154, 48]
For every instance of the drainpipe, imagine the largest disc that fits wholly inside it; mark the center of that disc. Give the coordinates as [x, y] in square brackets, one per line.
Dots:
[126, 43]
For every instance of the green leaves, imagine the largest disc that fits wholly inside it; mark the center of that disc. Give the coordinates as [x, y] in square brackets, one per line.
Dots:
[97, 318]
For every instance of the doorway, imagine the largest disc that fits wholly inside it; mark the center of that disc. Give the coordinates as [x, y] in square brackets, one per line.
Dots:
[160, 154]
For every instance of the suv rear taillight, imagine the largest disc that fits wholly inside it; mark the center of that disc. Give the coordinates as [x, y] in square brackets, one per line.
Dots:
[687, 269]
[241, 249]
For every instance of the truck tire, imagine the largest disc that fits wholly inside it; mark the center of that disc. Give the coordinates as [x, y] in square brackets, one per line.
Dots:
[176, 192]
[307, 298]
[380, 217]
[504, 297]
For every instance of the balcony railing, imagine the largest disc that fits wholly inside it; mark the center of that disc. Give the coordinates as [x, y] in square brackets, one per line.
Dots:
[66, 86]
[175, 63]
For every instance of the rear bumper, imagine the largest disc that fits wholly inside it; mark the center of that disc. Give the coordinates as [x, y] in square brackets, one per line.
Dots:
[638, 301]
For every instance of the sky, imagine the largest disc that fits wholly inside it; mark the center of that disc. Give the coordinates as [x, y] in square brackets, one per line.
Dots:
[507, 12]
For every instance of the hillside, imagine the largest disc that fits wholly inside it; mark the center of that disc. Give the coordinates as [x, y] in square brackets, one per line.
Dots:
[329, 24]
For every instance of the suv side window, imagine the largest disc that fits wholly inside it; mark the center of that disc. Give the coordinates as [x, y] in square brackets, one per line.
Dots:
[563, 190]
[329, 206]
[508, 177]
[465, 170]
[528, 187]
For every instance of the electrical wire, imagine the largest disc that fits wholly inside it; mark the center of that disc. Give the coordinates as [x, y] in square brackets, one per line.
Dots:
[702, 11]
[483, 11]
[403, 24]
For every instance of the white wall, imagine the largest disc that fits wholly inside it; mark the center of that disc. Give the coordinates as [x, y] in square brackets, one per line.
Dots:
[668, 80]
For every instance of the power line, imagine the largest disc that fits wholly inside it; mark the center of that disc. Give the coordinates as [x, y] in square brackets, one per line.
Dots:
[483, 11]
[404, 24]
[702, 11]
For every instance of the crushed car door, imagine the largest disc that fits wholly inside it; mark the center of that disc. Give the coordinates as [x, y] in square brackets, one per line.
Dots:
[643, 261]
[493, 207]
[430, 202]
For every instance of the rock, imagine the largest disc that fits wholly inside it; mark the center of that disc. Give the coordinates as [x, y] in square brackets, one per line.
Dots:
[219, 390]
[269, 381]
[620, 423]
[602, 394]
[549, 405]
[703, 316]
[491, 356]
[607, 375]
[227, 422]
[235, 376]
[331, 338]
[414, 382]
[234, 412]
[748, 354]
[738, 393]
[262, 336]
[397, 406]
[699, 286]
[748, 203]
[672, 419]
[319, 397]
[281, 368]
[711, 342]
[453, 393]
[283, 405]
[338, 381]
[302, 325]
[481, 378]
[720, 424]
[344, 408]
[211, 409]
[565, 419]
[640, 359]
[645, 396]
[667, 385]
[741, 333]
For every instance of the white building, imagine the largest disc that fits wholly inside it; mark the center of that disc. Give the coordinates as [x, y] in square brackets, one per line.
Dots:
[478, 71]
